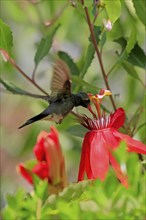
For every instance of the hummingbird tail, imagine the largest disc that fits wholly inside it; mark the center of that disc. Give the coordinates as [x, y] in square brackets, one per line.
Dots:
[36, 118]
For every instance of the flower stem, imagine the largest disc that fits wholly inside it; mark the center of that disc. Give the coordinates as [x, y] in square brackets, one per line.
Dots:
[97, 52]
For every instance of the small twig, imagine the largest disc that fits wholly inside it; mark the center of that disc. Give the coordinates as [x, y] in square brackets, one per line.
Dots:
[6, 58]
[28, 78]
[58, 14]
[97, 52]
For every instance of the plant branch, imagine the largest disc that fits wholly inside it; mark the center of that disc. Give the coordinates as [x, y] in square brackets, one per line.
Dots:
[28, 78]
[97, 52]
[6, 58]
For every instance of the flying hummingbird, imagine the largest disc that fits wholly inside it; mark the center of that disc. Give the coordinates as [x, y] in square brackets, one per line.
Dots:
[61, 100]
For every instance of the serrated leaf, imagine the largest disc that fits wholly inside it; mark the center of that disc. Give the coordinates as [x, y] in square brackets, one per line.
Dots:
[140, 8]
[44, 46]
[131, 40]
[137, 57]
[6, 41]
[88, 59]
[113, 9]
[69, 61]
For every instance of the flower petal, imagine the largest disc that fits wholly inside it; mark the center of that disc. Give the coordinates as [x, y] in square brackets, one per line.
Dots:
[117, 118]
[53, 135]
[39, 150]
[85, 159]
[111, 141]
[41, 170]
[82, 160]
[99, 155]
[123, 178]
[132, 144]
[25, 173]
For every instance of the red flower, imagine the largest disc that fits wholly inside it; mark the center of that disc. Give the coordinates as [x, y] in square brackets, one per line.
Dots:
[50, 161]
[102, 139]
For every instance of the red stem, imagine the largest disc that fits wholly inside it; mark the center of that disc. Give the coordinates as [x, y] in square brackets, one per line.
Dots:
[27, 77]
[97, 52]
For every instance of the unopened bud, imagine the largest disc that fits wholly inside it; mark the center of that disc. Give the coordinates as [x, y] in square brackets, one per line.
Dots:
[107, 24]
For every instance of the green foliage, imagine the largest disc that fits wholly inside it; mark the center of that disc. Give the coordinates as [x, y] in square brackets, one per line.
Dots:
[137, 57]
[120, 49]
[140, 9]
[6, 41]
[44, 46]
[84, 200]
[73, 67]
[88, 60]
[131, 40]
[113, 9]
[14, 89]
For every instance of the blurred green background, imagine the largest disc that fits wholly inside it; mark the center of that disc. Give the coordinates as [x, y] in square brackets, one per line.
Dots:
[26, 20]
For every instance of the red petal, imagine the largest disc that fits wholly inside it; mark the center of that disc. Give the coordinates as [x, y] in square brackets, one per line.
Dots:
[85, 159]
[111, 141]
[41, 170]
[82, 161]
[53, 135]
[132, 144]
[39, 150]
[42, 134]
[25, 173]
[99, 156]
[87, 141]
[117, 118]
[118, 171]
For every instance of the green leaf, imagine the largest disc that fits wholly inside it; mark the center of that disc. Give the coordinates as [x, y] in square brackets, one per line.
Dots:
[45, 45]
[97, 32]
[12, 88]
[6, 41]
[130, 70]
[140, 8]
[29, 164]
[16, 90]
[131, 40]
[78, 80]
[41, 189]
[113, 9]
[137, 57]
[103, 39]
[88, 59]
[73, 67]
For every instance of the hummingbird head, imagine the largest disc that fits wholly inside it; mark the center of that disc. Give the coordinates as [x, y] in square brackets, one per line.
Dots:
[83, 99]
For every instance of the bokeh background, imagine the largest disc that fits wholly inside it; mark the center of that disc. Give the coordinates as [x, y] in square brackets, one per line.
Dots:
[27, 21]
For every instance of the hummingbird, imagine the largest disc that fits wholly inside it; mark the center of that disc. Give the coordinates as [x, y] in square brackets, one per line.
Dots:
[61, 100]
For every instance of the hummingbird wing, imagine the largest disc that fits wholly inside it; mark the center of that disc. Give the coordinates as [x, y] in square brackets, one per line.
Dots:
[40, 116]
[61, 81]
